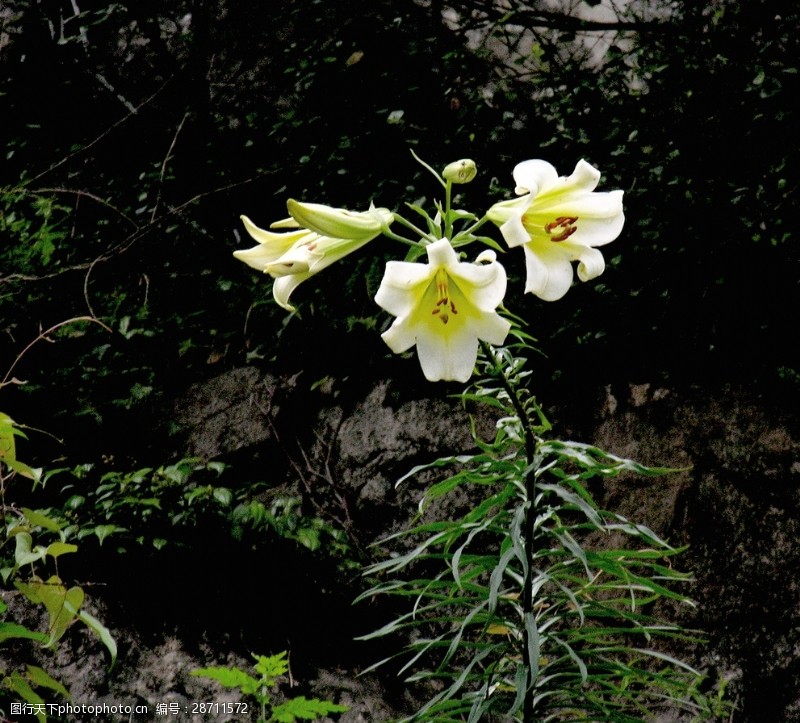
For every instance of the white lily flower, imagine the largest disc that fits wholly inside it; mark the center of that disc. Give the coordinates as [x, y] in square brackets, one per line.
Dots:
[292, 257]
[444, 307]
[558, 220]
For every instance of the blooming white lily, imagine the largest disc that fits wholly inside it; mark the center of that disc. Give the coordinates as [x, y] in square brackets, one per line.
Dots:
[444, 307]
[557, 221]
[292, 257]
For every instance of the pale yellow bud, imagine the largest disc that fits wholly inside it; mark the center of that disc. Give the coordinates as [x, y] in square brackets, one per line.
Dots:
[338, 223]
[462, 171]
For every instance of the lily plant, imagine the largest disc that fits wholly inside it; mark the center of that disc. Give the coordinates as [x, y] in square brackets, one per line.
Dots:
[516, 610]
[448, 306]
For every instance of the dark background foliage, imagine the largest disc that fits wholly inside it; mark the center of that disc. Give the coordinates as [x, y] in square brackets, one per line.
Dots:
[135, 134]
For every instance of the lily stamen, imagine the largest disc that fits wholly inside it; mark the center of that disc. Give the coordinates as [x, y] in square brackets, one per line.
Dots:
[567, 223]
[444, 298]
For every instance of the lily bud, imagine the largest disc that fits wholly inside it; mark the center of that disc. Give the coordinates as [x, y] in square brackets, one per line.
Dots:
[462, 171]
[338, 223]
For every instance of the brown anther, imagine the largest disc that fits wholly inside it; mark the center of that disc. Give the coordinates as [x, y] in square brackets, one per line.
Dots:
[566, 234]
[443, 301]
[566, 223]
[453, 308]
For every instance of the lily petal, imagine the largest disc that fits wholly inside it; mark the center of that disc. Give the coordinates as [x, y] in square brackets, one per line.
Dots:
[549, 272]
[590, 264]
[534, 177]
[402, 287]
[283, 287]
[450, 358]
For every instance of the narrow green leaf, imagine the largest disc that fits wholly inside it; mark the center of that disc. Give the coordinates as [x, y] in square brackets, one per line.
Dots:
[102, 632]
[496, 579]
[534, 645]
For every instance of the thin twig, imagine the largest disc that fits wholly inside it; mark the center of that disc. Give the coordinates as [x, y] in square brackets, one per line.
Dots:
[79, 193]
[108, 130]
[43, 336]
[164, 164]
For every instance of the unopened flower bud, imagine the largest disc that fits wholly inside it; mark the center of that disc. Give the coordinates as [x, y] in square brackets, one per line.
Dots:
[462, 171]
[338, 223]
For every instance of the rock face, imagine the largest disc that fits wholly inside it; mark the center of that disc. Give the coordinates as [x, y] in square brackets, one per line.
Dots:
[736, 506]
[735, 502]
[342, 446]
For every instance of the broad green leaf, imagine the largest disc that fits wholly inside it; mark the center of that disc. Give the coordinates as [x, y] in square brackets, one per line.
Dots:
[19, 685]
[308, 537]
[103, 531]
[223, 495]
[13, 630]
[41, 679]
[8, 429]
[33, 473]
[24, 554]
[39, 519]
[60, 548]
[61, 604]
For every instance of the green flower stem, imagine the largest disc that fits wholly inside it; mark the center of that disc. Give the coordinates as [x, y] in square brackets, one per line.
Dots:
[425, 165]
[405, 222]
[529, 524]
[448, 223]
[471, 230]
